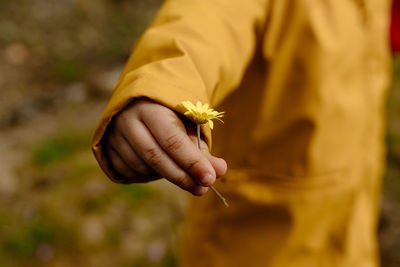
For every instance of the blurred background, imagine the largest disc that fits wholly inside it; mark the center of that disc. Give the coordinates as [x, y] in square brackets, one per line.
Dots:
[59, 60]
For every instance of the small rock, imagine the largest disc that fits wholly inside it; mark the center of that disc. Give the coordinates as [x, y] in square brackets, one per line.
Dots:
[76, 93]
[8, 183]
[155, 251]
[102, 83]
[93, 188]
[16, 54]
[92, 230]
[44, 252]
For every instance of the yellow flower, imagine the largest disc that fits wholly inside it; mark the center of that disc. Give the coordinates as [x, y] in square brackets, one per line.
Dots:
[201, 114]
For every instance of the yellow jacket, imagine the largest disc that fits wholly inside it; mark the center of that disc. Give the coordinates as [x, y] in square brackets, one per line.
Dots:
[302, 84]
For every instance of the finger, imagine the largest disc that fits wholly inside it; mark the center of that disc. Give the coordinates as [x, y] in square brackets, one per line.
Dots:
[148, 149]
[193, 138]
[171, 135]
[118, 164]
[127, 153]
[218, 164]
[126, 173]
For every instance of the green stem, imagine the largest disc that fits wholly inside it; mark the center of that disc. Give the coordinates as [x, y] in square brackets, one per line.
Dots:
[212, 187]
[198, 136]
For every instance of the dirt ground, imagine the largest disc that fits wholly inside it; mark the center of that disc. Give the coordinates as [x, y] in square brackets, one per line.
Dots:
[59, 60]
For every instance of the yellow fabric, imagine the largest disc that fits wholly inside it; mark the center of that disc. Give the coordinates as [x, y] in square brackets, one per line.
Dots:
[302, 84]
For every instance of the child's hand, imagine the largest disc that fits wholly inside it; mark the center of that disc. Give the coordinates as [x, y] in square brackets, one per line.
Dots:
[147, 141]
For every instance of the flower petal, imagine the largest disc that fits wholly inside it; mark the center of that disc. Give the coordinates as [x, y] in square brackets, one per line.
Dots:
[188, 105]
[211, 123]
[200, 113]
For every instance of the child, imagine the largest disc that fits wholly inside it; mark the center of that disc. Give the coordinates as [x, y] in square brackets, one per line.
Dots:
[302, 84]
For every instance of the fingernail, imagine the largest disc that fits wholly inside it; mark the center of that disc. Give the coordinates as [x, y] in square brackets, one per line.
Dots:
[200, 190]
[206, 179]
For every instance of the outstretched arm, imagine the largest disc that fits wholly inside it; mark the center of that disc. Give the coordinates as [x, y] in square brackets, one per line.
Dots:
[194, 50]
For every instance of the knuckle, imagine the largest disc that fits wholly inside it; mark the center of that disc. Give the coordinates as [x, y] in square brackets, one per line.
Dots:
[118, 123]
[143, 169]
[174, 142]
[153, 156]
[197, 192]
[181, 181]
[121, 119]
[119, 167]
[191, 165]
[121, 171]
[129, 174]
[139, 165]
[204, 148]
[126, 116]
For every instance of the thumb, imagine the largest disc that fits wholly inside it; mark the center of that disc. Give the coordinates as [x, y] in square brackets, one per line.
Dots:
[218, 164]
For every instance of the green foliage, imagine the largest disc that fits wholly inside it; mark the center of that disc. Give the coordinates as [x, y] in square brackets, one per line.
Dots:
[8, 31]
[135, 192]
[23, 243]
[169, 260]
[54, 204]
[95, 204]
[67, 70]
[59, 148]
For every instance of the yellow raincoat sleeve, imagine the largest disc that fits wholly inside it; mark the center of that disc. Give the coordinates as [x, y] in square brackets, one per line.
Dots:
[194, 50]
